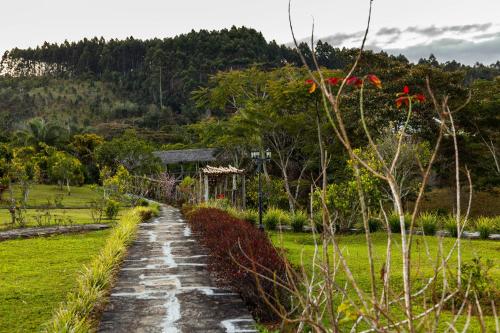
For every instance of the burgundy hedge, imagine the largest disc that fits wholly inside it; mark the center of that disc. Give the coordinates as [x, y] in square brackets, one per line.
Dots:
[219, 233]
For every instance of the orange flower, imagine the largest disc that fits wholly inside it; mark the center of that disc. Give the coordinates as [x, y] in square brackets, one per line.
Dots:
[402, 100]
[312, 84]
[375, 80]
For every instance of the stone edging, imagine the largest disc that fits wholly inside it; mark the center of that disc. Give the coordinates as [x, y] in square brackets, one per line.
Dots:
[48, 231]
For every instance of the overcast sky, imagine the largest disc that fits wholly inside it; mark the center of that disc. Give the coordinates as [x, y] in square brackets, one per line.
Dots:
[466, 30]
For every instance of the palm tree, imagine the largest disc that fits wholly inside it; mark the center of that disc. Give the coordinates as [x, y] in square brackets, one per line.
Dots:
[37, 131]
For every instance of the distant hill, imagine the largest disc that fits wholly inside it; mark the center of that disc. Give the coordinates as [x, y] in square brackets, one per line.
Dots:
[122, 83]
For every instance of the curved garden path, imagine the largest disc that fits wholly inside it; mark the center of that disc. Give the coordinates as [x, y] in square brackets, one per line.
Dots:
[164, 286]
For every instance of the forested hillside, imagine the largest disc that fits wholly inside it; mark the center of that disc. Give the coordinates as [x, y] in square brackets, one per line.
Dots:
[162, 72]
[127, 83]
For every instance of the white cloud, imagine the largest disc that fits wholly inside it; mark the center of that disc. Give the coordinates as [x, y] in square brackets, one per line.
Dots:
[468, 43]
[447, 49]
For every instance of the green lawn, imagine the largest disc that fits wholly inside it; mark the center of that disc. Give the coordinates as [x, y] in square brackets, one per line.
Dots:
[354, 248]
[36, 274]
[40, 195]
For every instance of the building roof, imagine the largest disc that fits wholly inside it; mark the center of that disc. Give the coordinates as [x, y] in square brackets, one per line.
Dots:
[229, 170]
[186, 155]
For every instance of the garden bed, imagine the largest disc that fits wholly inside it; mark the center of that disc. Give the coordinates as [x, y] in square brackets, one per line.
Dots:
[235, 247]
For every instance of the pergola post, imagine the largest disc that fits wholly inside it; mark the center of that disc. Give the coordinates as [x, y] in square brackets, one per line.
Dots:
[199, 188]
[233, 190]
[206, 187]
[243, 193]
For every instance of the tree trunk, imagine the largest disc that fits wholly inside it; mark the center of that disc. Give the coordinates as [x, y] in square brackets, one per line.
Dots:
[26, 192]
[289, 194]
[12, 208]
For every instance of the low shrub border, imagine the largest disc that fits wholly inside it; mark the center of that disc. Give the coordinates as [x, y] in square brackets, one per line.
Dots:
[235, 245]
[78, 312]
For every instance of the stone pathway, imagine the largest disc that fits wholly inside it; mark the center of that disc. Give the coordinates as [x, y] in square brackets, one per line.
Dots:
[48, 231]
[164, 286]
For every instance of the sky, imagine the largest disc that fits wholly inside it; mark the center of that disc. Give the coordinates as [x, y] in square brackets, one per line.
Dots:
[465, 30]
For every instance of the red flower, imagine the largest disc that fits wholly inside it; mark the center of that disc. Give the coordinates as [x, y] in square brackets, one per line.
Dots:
[405, 98]
[375, 80]
[333, 80]
[354, 81]
[419, 97]
[220, 196]
[312, 84]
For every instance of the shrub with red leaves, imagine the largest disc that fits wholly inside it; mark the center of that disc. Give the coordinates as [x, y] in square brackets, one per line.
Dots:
[231, 243]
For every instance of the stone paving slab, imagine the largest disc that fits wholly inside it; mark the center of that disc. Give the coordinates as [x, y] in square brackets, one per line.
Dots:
[48, 231]
[164, 286]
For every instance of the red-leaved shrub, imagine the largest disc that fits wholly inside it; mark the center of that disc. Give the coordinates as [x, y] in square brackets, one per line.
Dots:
[235, 244]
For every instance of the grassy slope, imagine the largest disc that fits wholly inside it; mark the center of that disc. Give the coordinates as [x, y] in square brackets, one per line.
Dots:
[355, 251]
[73, 101]
[39, 194]
[36, 274]
[76, 216]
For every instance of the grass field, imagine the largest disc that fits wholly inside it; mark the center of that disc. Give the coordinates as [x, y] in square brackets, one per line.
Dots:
[297, 244]
[36, 274]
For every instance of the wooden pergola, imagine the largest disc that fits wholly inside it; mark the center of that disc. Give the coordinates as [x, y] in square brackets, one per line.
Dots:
[218, 179]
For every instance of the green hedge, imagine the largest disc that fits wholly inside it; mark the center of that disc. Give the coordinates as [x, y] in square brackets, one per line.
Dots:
[75, 315]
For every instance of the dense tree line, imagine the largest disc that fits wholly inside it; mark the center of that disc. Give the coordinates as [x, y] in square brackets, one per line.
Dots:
[163, 71]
